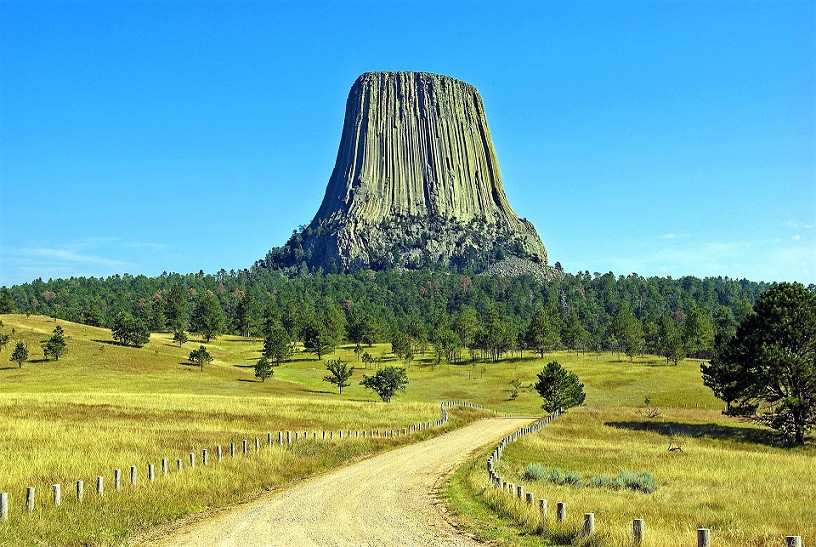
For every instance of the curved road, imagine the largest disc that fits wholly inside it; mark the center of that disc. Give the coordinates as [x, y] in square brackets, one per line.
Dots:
[385, 500]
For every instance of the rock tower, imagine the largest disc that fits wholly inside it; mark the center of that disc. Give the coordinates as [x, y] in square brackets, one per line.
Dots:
[416, 181]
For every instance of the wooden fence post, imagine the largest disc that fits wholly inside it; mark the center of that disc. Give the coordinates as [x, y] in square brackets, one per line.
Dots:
[288, 437]
[280, 437]
[244, 446]
[150, 472]
[133, 475]
[4, 506]
[638, 529]
[232, 450]
[100, 485]
[192, 460]
[80, 487]
[269, 440]
[542, 508]
[560, 511]
[589, 524]
[520, 492]
[179, 464]
[530, 498]
[703, 537]
[57, 495]
[204, 456]
[257, 444]
[164, 466]
[793, 541]
[218, 453]
[30, 499]
[117, 479]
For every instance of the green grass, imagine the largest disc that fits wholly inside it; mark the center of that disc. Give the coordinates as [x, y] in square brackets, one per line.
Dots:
[729, 477]
[104, 406]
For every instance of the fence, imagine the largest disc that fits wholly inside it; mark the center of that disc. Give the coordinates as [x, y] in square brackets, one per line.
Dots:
[517, 491]
[283, 439]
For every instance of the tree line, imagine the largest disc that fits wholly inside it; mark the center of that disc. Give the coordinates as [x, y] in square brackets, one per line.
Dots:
[416, 311]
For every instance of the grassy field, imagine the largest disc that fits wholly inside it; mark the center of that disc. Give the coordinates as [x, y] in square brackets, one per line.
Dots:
[730, 476]
[104, 406]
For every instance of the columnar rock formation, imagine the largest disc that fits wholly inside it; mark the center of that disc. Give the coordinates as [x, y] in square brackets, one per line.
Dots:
[416, 181]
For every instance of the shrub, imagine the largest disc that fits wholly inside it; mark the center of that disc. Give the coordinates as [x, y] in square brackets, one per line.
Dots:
[602, 481]
[556, 476]
[573, 478]
[642, 482]
[534, 472]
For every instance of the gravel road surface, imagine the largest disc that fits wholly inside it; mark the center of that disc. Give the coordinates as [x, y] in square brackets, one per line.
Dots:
[389, 499]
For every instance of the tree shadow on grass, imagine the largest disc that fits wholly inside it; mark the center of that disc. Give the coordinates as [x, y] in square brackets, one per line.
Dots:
[10, 368]
[109, 342]
[323, 391]
[248, 380]
[718, 432]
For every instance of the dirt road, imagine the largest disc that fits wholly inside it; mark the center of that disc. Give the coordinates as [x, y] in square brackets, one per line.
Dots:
[385, 500]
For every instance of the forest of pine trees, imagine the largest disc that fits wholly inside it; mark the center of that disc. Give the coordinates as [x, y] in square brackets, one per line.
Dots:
[487, 316]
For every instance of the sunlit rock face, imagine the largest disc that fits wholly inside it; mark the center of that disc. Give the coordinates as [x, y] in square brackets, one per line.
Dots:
[416, 181]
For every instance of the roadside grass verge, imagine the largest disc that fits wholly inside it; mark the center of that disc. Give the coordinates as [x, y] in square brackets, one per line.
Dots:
[747, 493]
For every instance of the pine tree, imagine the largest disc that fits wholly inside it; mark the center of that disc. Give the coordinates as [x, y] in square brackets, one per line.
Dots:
[207, 318]
[200, 356]
[56, 345]
[559, 388]
[543, 332]
[175, 309]
[20, 354]
[277, 345]
[339, 374]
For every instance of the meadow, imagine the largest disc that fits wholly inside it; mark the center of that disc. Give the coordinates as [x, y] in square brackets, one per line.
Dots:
[104, 406]
[729, 476]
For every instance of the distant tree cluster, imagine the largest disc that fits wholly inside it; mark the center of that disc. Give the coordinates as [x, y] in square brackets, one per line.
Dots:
[449, 314]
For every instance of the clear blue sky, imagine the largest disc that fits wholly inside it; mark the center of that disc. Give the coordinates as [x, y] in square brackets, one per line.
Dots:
[663, 138]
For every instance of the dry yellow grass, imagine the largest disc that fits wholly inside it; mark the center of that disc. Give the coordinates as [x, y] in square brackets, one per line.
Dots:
[728, 478]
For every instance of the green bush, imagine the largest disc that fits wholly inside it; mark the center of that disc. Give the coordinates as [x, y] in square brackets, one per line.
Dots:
[573, 478]
[602, 481]
[556, 476]
[640, 482]
[534, 472]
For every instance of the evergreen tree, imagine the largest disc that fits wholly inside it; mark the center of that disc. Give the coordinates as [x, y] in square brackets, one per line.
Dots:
[264, 368]
[574, 333]
[175, 309]
[247, 313]
[129, 331]
[56, 345]
[671, 344]
[316, 338]
[180, 337]
[20, 354]
[627, 331]
[207, 318]
[4, 338]
[277, 345]
[466, 325]
[559, 388]
[6, 301]
[543, 331]
[339, 374]
[769, 366]
[698, 333]
[200, 356]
